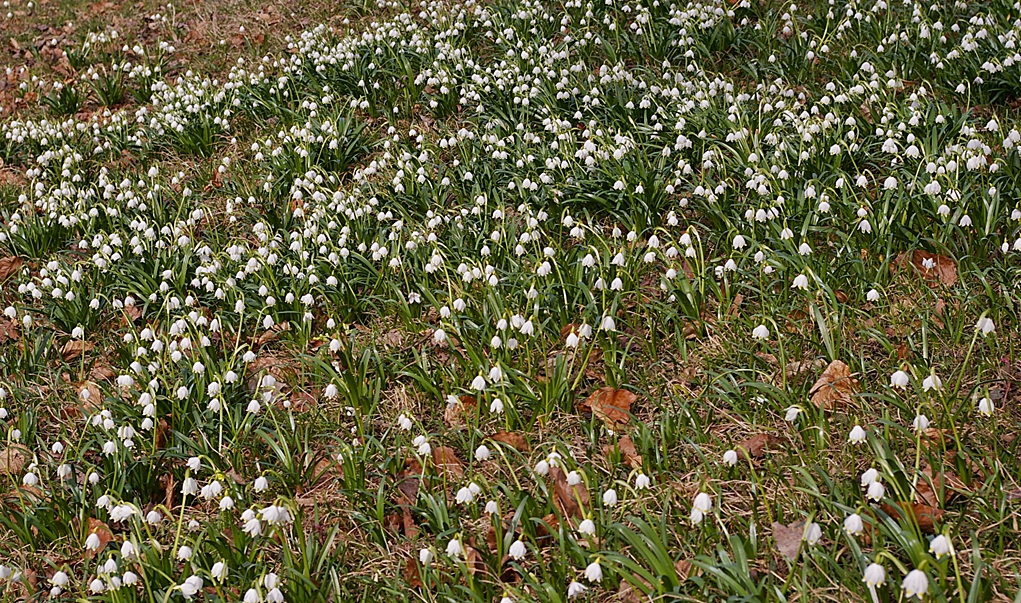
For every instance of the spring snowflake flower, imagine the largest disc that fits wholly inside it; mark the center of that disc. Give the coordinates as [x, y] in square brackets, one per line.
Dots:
[853, 524]
[425, 556]
[985, 325]
[587, 527]
[872, 295]
[479, 384]
[792, 414]
[875, 575]
[920, 423]
[916, 584]
[192, 585]
[870, 475]
[876, 491]
[813, 534]
[92, 542]
[730, 458]
[518, 550]
[575, 589]
[932, 382]
[492, 508]
[454, 548]
[899, 379]
[610, 497]
[608, 324]
[761, 332]
[594, 572]
[482, 453]
[642, 481]
[857, 435]
[219, 570]
[940, 546]
[985, 407]
[800, 282]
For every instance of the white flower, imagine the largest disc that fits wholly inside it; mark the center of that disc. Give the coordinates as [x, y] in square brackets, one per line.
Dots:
[192, 585]
[985, 325]
[439, 336]
[60, 579]
[130, 578]
[800, 282]
[870, 475]
[425, 556]
[219, 570]
[760, 332]
[940, 546]
[492, 507]
[792, 414]
[813, 534]
[454, 548]
[184, 553]
[518, 550]
[899, 379]
[542, 467]
[853, 524]
[587, 527]
[872, 295]
[857, 435]
[575, 589]
[985, 406]
[876, 491]
[261, 484]
[642, 481]
[932, 382]
[479, 383]
[92, 542]
[464, 496]
[482, 453]
[251, 596]
[916, 584]
[610, 497]
[875, 575]
[703, 502]
[496, 406]
[97, 586]
[920, 423]
[594, 572]
[608, 324]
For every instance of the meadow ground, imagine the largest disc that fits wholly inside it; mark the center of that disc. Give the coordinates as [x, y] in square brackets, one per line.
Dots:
[514, 300]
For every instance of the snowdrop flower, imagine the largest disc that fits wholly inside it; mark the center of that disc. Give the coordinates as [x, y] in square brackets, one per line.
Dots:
[594, 572]
[940, 546]
[760, 332]
[853, 524]
[454, 548]
[875, 575]
[985, 407]
[899, 379]
[610, 497]
[857, 435]
[730, 458]
[575, 589]
[916, 584]
[932, 382]
[642, 481]
[518, 550]
[920, 423]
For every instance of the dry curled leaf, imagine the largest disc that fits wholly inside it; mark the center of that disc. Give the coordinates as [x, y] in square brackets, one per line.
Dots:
[412, 573]
[834, 387]
[757, 445]
[74, 348]
[9, 331]
[925, 516]
[455, 411]
[446, 462]
[933, 268]
[101, 530]
[929, 486]
[513, 439]
[612, 406]
[788, 538]
[571, 500]
[271, 334]
[627, 449]
[9, 267]
[12, 460]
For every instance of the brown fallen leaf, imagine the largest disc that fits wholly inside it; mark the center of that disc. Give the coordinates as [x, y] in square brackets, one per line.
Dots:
[511, 438]
[571, 500]
[302, 400]
[102, 373]
[934, 268]
[9, 331]
[12, 460]
[757, 445]
[788, 538]
[683, 569]
[271, 334]
[627, 449]
[612, 406]
[928, 487]
[455, 411]
[101, 530]
[9, 267]
[412, 573]
[134, 312]
[547, 527]
[799, 367]
[74, 348]
[446, 462]
[834, 387]
[926, 516]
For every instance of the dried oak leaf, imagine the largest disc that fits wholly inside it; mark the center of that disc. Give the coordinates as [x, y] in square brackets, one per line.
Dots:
[926, 516]
[454, 413]
[571, 500]
[612, 406]
[412, 573]
[757, 445]
[74, 348]
[101, 530]
[788, 538]
[9, 267]
[834, 387]
[12, 460]
[928, 488]
[446, 462]
[271, 334]
[933, 268]
[683, 569]
[102, 372]
[511, 438]
[134, 312]
[9, 331]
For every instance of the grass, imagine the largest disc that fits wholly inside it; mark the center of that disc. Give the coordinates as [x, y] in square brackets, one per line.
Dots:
[510, 301]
